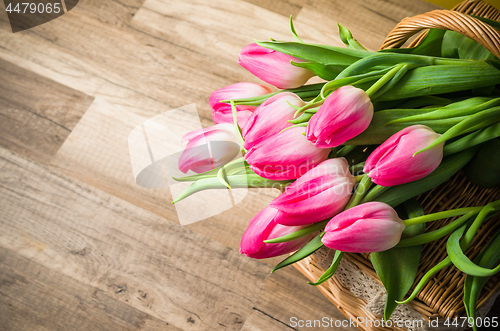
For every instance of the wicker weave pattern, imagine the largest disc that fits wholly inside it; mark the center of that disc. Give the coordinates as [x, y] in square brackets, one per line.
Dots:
[448, 20]
[443, 294]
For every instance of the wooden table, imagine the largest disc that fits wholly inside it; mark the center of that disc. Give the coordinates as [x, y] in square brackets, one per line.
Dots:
[82, 247]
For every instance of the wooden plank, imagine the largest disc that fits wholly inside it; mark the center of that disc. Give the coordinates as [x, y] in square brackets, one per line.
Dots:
[37, 298]
[369, 21]
[287, 302]
[37, 114]
[117, 13]
[282, 7]
[129, 254]
[133, 60]
[97, 153]
[197, 25]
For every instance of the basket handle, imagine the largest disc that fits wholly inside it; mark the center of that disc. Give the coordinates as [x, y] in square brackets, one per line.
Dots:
[446, 20]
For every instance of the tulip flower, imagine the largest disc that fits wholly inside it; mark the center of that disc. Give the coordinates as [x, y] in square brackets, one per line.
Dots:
[263, 227]
[209, 148]
[270, 118]
[345, 113]
[319, 194]
[366, 228]
[222, 112]
[273, 67]
[284, 156]
[393, 163]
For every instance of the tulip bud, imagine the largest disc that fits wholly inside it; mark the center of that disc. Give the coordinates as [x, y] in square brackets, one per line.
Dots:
[273, 67]
[319, 194]
[222, 112]
[270, 118]
[393, 163]
[284, 156]
[262, 227]
[345, 113]
[209, 148]
[366, 228]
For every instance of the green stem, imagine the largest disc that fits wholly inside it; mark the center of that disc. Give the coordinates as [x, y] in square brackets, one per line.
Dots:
[441, 215]
[244, 181]
[384, 79]
[357, 168]
[374, 193]
[222, 173]
[359, 178]
[440, 266]
[299, 234]
[238, 130]
[360, 192]
[389, 59]
[346, 150]
[464, 244]
[435, 235]
[339, 82]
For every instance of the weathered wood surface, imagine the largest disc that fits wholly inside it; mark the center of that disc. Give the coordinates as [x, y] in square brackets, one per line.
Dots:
[81, 245]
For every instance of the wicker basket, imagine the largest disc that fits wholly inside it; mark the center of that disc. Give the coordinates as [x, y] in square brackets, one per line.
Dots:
[443, 294]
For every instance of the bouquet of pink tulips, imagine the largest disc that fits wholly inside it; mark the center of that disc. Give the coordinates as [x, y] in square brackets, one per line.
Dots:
[351, 153]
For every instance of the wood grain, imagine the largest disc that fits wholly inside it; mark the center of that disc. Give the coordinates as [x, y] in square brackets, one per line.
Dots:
[283, 7]
[279, 308]
[36, 114]
[129, 254]
[82, 246]
[369, 21]
[37, 298]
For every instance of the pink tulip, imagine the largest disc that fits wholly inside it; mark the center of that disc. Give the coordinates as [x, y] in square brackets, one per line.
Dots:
[284, 156]
[209, 148]
[270, 118]
[273, 67]
[319, 194]
[345, 113]
[369, 227]
[222, 112]
[393, 163]
[262, 227]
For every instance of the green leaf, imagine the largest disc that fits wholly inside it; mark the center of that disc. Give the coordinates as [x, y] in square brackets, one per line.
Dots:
[326, 55]
[326, 72]
[476, 121]
[330, 271]
[299, 234]
[462, 262]
[494, 63]
[384, 124]
[431, 45]
[488, 258]
[347, 38]
[302, 253]
[448, 167]
[465, 107]
[398, 279]
[484, 169]
[440, 79]
[294, 33]
[456, 45]
[235, 181]
[436, 234]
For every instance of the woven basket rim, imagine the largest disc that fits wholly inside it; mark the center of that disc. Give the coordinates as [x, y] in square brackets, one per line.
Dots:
[443, 294]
